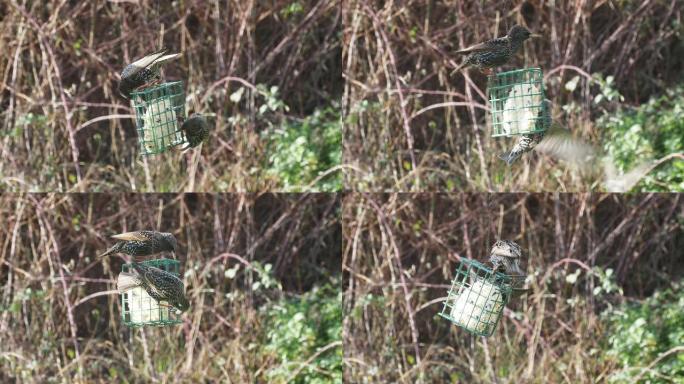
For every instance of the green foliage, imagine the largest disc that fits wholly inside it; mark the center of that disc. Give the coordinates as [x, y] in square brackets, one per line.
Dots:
[638, 334]
[300, 151]
[298, 328]
[651, 131]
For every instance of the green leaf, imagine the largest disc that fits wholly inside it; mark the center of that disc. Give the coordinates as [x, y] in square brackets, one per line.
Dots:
[571, 85]
[237, 95]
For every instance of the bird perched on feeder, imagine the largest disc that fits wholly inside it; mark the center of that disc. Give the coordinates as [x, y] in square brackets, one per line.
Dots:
[506, 254]
[496, 52]
[143, 71]
[196, 129]
[143, 243]
[552, 140]
[159, 284]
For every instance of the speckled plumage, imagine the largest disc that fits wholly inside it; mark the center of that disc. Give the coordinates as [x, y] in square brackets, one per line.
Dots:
[495, 52]
[506, 254]
[143, 243]
[159, 284]
[554, 141]
[196, 129]
[525, 143]
[143, 71]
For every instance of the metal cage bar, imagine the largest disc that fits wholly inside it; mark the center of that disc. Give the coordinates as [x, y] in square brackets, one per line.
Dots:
[157, 112]
[476, 298]
[139, 309]
[516, 100]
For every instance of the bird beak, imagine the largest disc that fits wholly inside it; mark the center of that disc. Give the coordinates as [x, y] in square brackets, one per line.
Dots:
[535, 35]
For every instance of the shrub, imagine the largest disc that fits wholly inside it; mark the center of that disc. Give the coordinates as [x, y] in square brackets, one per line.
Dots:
[652, 130]
[297, 329]
[639, 333]
[301, 150]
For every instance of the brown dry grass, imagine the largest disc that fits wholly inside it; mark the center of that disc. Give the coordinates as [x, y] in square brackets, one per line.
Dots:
[401, 250]
[59, 324]
[65, 128]
[410, 126]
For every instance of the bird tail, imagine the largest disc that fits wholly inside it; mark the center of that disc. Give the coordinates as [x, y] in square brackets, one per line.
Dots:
[110, 251]
[509, 157]
[126, 281]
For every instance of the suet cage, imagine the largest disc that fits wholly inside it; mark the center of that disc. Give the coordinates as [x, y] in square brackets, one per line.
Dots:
[140, 309]
[516, 100]
[159, 112]
[477, 297]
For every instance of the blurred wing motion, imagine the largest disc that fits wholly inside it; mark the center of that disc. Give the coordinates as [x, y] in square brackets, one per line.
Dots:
[559, 143]
[623, 183]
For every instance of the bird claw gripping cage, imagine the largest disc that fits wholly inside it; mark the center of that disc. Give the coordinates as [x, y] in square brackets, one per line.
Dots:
[477, 297]
[140, 309]
[516, 100]
[159, 111]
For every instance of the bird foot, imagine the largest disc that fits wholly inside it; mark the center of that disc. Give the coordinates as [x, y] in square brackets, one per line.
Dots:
[487, 71]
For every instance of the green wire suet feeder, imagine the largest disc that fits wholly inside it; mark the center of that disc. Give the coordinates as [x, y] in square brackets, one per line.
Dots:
[159, 112]
[477, 298]
[140, 309]
[516, 100]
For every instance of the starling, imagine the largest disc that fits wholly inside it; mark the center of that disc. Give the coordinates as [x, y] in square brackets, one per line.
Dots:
[143, 243]
[196, 129]
[507, 254]
[525, 144]
[143, 71]
[495, 52]
[159, 284]
[556, 141]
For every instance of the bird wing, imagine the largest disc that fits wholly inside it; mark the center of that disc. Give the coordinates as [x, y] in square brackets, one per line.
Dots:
[151, 277]
[559, 143]
[147, 60]
[166, 58]
[486, 46]
[131, 236]
[623, 183]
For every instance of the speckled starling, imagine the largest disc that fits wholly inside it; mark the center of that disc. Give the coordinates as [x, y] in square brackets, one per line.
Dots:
[143, 72]
[143, 243]
[525, 143]
[159, 284]
[555, 141]
[495, 52]
[506, 254]
[196, 129]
